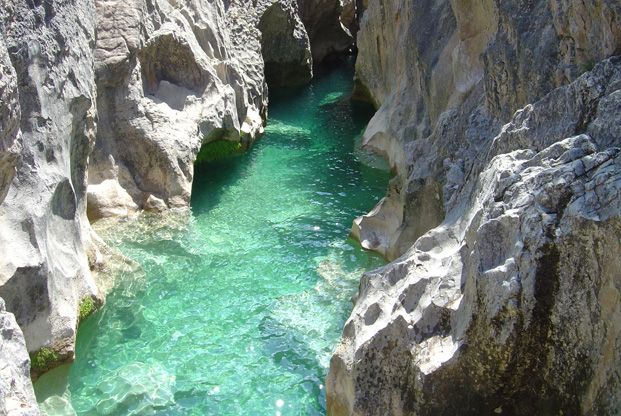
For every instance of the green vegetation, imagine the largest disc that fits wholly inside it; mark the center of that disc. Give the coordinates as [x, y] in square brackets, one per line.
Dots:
[43, 358]
[86, 308]
[218, 149]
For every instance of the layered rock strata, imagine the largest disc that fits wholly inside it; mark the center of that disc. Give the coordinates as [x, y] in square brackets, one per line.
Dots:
[47, 129]
[506, 294]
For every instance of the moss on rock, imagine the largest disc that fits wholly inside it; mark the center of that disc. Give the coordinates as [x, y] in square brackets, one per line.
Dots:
[43, 359]
[86, 308]
[218, 149]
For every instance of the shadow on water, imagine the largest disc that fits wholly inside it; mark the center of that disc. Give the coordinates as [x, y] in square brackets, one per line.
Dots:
[212, 179]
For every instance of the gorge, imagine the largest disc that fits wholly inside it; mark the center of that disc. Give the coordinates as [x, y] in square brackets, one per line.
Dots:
[500, 123]
[239, 303]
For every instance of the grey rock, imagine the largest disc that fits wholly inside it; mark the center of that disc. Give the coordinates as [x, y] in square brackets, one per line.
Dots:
[10, 114]
[502, 297]
[461, 70]
[49, 122]
[285, 45]
[512, 304]
[16, 393]
[170, 77]
[326, 31]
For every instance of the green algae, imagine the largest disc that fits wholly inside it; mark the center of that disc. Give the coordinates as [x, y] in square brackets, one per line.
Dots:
[218, 149]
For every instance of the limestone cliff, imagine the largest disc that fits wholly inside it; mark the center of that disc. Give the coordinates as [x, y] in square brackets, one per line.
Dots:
[325, 22]
[506, 296]
[170, 77]
[173, 76]
[47, 117]
[445, 75]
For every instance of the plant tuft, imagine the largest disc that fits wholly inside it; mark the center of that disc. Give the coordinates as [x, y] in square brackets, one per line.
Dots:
[86, 308]
[42, 359]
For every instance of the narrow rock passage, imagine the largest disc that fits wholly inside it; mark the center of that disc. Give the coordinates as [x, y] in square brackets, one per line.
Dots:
[242, 300]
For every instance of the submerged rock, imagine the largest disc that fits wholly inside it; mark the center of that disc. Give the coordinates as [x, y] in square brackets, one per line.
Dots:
[505, 295]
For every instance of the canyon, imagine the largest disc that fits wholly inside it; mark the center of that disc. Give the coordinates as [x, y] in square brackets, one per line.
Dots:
[500, 121]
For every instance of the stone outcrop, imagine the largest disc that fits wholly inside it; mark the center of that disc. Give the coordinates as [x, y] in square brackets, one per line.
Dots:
[170, 77]
[433, 69]
[16, 394]
[284, 44]
[10, 114]
[47, 129]
[505, 297]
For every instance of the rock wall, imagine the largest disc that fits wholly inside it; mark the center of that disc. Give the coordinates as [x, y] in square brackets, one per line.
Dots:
[174, 76]
[505, 297]
[458, 61]
[325, 23]
[47, 129]
[285, 46]
[170, 77]
[16, 394]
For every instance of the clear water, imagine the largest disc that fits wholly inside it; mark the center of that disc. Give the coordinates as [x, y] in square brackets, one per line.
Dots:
[242, 300]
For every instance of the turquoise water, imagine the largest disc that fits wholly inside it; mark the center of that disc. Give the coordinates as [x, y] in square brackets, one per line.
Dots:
[242, 300]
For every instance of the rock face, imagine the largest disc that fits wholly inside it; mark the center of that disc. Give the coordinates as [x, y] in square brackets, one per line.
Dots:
[284, 44]
[16, 394]
[10, 114]
[47, 130]
[170, 77]
[506, 297]
[326, 31]
[461, 70]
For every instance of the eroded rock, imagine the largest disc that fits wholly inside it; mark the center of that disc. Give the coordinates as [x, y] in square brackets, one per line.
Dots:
[326, 31]
[47, 114]
[16, 393]
[170, 77]
[461, 71]
[512, 304]
[285, 46]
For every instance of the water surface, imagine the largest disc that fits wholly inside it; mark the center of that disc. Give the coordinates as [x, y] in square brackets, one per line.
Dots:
[242, 300]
